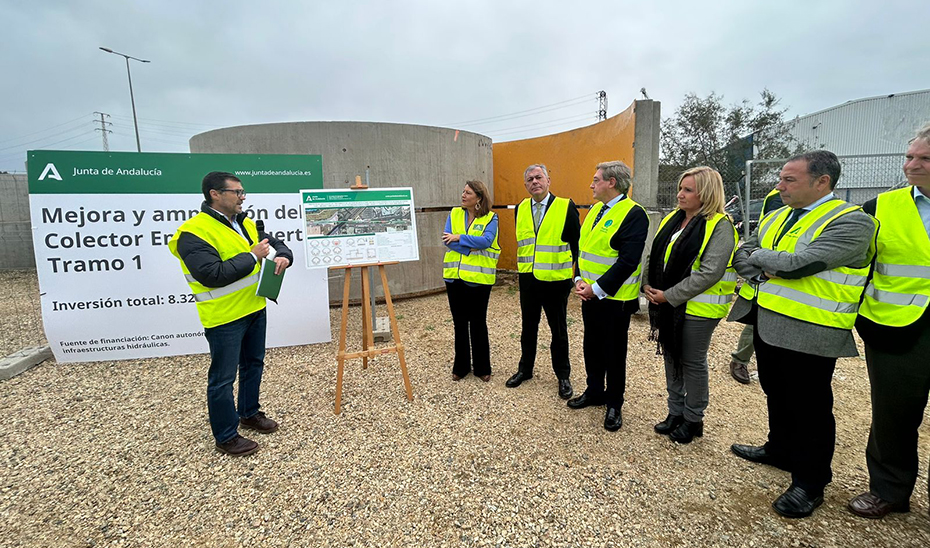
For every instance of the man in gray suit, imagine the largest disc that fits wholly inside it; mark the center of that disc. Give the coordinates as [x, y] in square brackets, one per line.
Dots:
[806, 267]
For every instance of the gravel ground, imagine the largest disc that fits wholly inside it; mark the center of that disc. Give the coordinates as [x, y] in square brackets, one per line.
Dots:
[120, 453]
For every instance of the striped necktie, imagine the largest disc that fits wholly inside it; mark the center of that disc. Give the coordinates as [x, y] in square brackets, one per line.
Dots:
[537, 214]
[599, 215]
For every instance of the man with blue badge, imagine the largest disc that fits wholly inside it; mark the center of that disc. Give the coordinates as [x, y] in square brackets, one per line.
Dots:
[221, 251]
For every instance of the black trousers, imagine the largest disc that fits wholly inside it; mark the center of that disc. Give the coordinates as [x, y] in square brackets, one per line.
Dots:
[900, 385]
[469, 306]
[536, 296]
[802, 429]
[606, 327]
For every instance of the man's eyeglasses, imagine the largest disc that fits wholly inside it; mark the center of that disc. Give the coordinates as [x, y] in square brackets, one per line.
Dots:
[240, 192]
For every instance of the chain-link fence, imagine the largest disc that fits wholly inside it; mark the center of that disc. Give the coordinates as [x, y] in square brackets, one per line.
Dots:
[862, 177]
[20, 311]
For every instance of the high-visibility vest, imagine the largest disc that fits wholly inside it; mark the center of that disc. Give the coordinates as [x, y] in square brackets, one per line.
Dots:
[899, 291]
[543, 253]
[479, 266]
[767, 202]
[597, 256]
[714, 302]
[221, 305]
[829, 298]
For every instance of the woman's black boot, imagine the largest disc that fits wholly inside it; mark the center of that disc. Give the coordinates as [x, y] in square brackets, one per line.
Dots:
[670, 423]
[687, 431]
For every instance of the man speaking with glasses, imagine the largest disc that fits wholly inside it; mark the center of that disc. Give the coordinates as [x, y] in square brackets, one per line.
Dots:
[221, 251]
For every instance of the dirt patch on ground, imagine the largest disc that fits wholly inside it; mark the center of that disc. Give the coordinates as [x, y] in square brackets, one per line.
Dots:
[120, 453]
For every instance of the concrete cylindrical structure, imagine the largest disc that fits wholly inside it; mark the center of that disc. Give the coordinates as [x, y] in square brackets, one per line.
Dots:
[435, 161]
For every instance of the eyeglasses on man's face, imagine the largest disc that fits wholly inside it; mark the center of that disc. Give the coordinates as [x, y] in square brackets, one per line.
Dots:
[240, 192]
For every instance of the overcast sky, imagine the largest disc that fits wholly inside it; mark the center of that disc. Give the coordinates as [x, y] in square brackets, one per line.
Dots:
[218, 64]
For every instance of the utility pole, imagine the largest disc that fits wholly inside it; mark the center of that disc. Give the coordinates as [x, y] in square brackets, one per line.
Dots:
[103, 130]
[601, 105]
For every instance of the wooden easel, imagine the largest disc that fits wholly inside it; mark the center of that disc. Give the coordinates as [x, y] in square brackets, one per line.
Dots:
[368, 338]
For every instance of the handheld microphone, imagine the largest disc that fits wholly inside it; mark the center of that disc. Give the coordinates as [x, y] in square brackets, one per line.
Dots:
[260, 226]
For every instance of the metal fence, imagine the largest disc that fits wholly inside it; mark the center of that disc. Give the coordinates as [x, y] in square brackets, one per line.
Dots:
[862, 177]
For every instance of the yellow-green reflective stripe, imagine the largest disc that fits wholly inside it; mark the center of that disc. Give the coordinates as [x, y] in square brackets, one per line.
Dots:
[486, 253]
[528, 241]
[591, 276]
[588, 275]
[191, 279]
[900, 299]
[903, 270]
[808, 299]
[551, 248]
[808, 235]
[712, 299]
[552, 266]
[450, 265]
[528, 259]
[842, 279]
[473, 268]
[226, 290]
[598, 258]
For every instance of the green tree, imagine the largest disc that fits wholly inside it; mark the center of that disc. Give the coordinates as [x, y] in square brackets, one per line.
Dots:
[703, 131]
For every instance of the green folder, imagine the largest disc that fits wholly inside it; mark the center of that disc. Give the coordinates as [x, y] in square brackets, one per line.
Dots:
[269, 283]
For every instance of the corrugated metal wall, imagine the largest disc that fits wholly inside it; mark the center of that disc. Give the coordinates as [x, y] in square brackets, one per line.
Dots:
[874, 125]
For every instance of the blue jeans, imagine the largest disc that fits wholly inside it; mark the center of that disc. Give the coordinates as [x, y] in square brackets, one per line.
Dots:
[239, 344]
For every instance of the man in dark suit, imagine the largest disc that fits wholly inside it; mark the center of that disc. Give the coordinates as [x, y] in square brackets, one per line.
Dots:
[806, 266]
[547, 231]
[612, 239]
[894, 322]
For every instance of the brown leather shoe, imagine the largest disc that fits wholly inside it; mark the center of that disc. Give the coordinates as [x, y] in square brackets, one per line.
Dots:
[260, 423]
[456, 377]
[870, 505]
[485, 378]
[237, 447]
[738, 371]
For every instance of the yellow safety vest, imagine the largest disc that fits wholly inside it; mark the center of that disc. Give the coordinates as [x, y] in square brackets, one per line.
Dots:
[899, 291]
[221, 305]
[715, 301]
[597, 256]
[766, 203]
[543, 253]
[829, 298]
[479, 266]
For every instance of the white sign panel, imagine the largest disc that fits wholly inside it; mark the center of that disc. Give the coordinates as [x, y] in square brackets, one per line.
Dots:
[111, 289]
[346, 227]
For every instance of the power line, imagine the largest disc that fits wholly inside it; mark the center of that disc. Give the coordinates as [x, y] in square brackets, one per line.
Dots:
[43, 130]
[576, 117]
[521, 113]
[169, 122]
[20, 145]
[552, 125]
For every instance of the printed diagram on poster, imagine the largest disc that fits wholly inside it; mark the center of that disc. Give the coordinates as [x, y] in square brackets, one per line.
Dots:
[347, 227]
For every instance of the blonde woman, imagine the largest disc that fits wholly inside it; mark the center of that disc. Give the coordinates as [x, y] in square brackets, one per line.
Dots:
[689, 284]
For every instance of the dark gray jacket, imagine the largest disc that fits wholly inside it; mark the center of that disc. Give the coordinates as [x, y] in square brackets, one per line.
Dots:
[204, 261]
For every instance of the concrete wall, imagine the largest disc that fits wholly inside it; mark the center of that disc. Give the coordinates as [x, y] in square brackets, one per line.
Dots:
[15, 228]
[436, 162]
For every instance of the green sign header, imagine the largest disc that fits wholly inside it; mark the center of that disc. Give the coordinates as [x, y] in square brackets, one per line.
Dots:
[71, 172]
[365, 195]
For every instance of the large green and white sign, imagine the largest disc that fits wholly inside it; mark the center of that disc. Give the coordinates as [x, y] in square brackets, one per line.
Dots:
[110, 288]
[345, 227]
